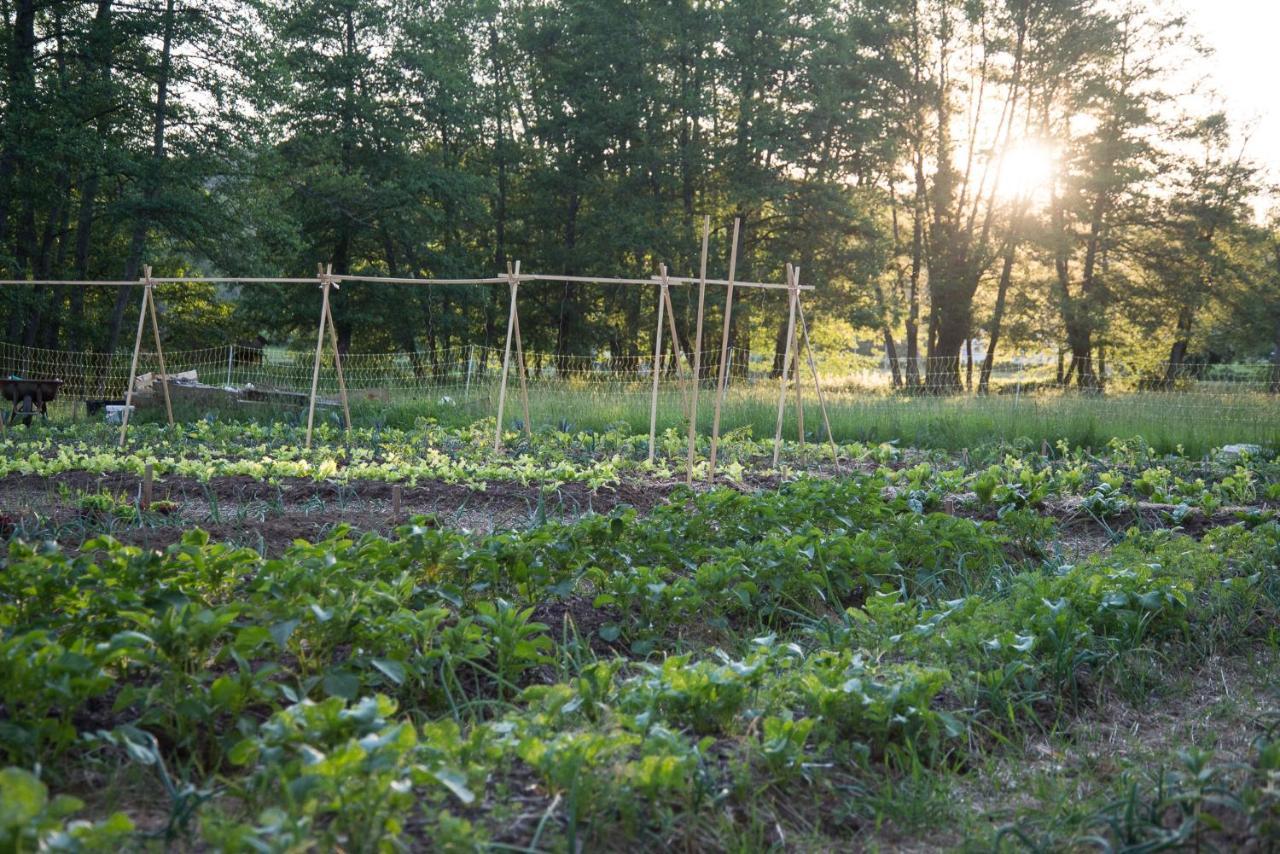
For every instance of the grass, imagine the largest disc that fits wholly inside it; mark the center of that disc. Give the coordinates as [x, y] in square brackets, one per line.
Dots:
[1197, 422]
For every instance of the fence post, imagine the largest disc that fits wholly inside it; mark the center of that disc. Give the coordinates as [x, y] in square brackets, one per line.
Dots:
[231, 358]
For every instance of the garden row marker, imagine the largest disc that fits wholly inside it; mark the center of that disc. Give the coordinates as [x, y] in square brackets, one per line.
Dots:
[785, 374]
[148, 473]
[327, 280]
[722, 383]
[697, 348]
[813, 368]
[657, 361]
[148, 302]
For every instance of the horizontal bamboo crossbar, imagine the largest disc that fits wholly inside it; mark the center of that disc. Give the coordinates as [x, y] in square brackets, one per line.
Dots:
[393, 280]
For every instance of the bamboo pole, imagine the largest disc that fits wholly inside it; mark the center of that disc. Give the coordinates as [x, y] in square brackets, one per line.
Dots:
[697, 348]
[722, 383]
[506, 360]
[133, 369]
[799, 398]
[657, 364]
[150, 297]
[315, 369]
[785, 373]
[813, 369]
[675, 349]
[337, 356]
[524, 385]
[673, 281]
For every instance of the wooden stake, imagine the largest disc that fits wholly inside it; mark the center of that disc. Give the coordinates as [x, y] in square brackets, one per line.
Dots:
[337, 356]
[799, 395]
[657, 362]
[813, 368]
[315, 369]
[785, 374]
[697, 348]
[524, 386]
[506, 360]
[147, 474]
[133, 368]
[675, 346]
[155, 330]
[395, 502]
[722, 383]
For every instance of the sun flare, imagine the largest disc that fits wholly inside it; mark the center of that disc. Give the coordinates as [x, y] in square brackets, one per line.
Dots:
[1027, 167]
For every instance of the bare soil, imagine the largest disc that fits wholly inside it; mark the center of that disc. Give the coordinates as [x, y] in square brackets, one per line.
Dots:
[268, 517]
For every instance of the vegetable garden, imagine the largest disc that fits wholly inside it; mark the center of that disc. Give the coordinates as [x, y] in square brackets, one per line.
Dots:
[797, 659]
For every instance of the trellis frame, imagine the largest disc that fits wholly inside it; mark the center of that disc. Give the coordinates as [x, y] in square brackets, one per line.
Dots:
[148, 303]
[662, 282]
[327, 283]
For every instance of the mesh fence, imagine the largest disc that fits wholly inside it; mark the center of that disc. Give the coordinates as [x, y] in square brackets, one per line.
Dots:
[1195, 391]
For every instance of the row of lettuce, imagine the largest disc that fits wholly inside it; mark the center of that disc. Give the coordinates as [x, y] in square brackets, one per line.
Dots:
[614, 678]
[1110, 480]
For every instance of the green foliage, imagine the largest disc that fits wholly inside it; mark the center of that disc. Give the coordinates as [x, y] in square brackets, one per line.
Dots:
[360, 692]
[32, 821]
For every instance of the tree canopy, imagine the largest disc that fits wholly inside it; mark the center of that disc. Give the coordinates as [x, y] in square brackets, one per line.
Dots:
[1026, 173]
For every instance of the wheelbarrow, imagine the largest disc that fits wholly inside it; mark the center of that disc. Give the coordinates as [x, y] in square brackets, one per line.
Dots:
[28, 397]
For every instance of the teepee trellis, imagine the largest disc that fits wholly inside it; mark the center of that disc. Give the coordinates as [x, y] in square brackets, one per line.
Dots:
[513, 278]
[148, 306]
[327, 282]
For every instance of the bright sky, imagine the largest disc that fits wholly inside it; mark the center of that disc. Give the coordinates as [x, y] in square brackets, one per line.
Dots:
[1245, 67]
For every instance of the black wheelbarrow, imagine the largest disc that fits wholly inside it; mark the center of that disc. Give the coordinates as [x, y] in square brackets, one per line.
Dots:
[28, 397]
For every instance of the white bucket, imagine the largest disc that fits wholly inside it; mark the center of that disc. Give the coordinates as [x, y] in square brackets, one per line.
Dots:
[115, 413]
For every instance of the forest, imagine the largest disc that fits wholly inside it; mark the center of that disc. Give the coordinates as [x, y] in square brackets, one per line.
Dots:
[1047, 175]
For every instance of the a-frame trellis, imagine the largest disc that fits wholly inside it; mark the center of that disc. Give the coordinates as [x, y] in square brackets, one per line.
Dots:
[797, 340]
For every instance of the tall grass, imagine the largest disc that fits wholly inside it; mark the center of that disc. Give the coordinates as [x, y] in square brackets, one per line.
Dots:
[1197, 422]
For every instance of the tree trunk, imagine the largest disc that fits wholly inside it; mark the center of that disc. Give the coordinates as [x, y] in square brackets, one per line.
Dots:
[968, 363]
[21, 95]
[891, 355]
[151, 189]
[997, 317]
[1178, 352]
[943, 374]
[1274, 386]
